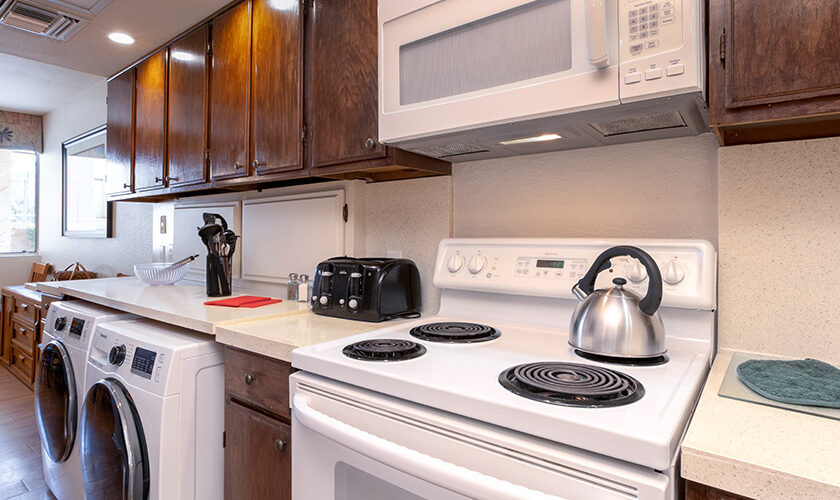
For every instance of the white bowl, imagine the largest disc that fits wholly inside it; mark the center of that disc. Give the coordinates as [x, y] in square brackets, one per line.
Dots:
[157, 274]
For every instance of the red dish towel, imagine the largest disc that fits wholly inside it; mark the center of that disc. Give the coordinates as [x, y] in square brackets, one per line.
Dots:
[244, 301]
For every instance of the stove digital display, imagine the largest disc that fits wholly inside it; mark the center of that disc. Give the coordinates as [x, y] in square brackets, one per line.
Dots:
[76, 327]
[551, 264]
[143, 363]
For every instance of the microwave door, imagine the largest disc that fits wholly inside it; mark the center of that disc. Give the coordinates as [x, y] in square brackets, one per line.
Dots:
[456, 65]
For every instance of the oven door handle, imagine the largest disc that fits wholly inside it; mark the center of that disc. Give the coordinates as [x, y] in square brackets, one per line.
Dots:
[414, 463]
[596, 33]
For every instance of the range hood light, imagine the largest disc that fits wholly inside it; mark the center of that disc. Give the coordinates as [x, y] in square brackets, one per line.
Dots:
[536, 138]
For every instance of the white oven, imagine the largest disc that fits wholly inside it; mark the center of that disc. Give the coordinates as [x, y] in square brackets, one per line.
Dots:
[449, 68]
[355, 444]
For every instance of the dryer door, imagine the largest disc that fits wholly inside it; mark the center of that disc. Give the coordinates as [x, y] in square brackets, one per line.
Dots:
[55, 401]
[115, 463]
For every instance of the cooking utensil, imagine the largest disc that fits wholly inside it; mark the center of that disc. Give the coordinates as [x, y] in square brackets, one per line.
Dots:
[184, 261]
[616, 321]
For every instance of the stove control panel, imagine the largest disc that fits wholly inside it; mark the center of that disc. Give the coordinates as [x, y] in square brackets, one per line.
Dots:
[551, 267]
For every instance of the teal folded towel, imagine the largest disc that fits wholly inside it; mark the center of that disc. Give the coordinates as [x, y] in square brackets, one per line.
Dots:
[801, 382]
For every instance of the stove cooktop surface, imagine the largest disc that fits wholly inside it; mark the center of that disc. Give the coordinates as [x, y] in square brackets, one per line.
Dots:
[643, 423]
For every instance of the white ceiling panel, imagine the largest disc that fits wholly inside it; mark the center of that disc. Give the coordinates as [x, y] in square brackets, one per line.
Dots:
[32, 87]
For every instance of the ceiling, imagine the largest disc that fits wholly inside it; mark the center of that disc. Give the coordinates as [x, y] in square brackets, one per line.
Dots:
[37, 88]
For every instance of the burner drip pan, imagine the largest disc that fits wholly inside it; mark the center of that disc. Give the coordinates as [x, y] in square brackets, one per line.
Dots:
[652, 361]
[455, 332]
[384, 350]
[572, 384]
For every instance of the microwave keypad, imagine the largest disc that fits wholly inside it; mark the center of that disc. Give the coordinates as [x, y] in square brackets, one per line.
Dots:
[645, 23]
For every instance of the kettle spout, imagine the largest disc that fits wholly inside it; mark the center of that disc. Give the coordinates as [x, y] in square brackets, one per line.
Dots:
[578, 292]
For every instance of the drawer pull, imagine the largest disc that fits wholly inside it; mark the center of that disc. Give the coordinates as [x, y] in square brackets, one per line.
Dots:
[279, 445]
[24, 306]
[249, 378]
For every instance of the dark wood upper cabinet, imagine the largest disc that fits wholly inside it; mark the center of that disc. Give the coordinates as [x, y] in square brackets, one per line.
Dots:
[342, 100]
[230, 92]
[150, 123]
[773, 69]
[120, 133]
[277, 86]
[187, 131]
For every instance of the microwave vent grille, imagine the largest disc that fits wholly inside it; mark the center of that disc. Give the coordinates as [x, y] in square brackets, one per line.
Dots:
[448, 150]
[639, 123]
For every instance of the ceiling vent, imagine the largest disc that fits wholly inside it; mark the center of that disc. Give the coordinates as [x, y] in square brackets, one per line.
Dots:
[41, 18]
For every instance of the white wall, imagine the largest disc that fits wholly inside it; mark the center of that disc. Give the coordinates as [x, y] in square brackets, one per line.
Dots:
[14, 269]
[133, 235]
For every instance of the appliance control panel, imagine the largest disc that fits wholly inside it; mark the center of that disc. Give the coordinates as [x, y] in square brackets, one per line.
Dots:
[551, 267]
[69, 325]
[141, 364]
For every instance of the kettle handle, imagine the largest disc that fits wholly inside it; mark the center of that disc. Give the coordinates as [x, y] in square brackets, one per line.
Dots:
[650, 303]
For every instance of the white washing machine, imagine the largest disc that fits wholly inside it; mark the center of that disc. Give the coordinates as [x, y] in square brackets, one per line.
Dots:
[59, 389]
[153, 415]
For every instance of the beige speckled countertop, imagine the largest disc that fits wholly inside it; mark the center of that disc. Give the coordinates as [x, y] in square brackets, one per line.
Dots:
[760, 451]
[276, 337]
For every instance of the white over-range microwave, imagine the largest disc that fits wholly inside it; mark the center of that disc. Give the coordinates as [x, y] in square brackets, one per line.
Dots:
[473, 79]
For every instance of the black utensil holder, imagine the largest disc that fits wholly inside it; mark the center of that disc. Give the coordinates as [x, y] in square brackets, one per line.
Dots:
[219, 275]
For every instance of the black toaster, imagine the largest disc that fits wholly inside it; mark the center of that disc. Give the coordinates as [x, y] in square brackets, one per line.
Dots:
[368, 289]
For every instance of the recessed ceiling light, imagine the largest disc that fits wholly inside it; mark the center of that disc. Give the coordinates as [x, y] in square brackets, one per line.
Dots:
[536, 138]
[182, 56]
[121, 38]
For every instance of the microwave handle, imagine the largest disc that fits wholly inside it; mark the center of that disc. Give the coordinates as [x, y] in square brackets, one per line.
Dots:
[596, 33]
[432, 470]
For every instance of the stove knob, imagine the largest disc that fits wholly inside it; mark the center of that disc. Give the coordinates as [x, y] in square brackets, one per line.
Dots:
[324, 300]
[353, 304]
[456, 262]
[60, 323]
[673, 273]
[117, 355]
[637, 272]
[477, 263]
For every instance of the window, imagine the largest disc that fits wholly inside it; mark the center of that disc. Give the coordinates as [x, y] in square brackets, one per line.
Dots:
[18, 191]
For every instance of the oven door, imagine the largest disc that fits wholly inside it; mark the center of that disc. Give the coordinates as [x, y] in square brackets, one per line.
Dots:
[353, 444]
[451, 65]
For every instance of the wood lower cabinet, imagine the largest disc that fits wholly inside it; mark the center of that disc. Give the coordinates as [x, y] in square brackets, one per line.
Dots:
[773, 70]
[150, 123]
[276, 87]
[258, 435]
[696, 491]
[120, 134]
[187, 115]
[21, 331]
[230, 92]
[6, 328]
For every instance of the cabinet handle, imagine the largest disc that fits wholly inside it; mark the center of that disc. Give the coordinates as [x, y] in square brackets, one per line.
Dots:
[158, 179]
[249, 378]
[24, 306]
[370, 143]
[257, 164]
[170, 179]
[279, 445]
[126, 186]
[237, 166]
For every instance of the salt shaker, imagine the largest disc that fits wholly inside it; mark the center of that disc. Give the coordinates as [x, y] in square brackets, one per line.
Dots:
[304, 288]
[292, 287]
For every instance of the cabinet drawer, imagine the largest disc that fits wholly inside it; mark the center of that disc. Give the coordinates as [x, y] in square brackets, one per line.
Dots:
[258, 380]
[26, 310]
[24, 337]
[22, 365]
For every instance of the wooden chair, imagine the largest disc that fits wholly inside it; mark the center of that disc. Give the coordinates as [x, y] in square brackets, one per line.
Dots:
[39, 272]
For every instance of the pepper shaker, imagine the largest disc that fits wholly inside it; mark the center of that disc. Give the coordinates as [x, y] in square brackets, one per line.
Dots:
[292, 287]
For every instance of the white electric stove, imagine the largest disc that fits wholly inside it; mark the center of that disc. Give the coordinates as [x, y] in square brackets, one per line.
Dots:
[457, 405]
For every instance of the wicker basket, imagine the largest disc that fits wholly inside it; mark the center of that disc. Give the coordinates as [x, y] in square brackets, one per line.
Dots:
[75, 271]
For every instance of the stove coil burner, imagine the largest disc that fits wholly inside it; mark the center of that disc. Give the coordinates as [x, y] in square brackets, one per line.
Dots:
[601, 358]
[384, 350]
[572, 384]
[455, 332]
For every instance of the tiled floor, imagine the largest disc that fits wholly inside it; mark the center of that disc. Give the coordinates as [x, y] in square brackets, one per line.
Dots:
[21, 474]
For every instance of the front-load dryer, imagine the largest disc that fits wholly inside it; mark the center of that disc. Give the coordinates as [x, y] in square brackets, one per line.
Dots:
[59, 389]
[153, 414]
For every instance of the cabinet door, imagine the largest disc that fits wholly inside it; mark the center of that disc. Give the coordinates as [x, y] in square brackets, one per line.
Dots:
[6, 328]
[230, 92]
[258, 455]
[120, 134]
[150, 123]
[186, 133]
[277, 82]
[342, 100]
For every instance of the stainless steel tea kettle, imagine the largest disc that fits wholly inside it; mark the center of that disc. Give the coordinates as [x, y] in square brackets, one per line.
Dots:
[615, 321]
